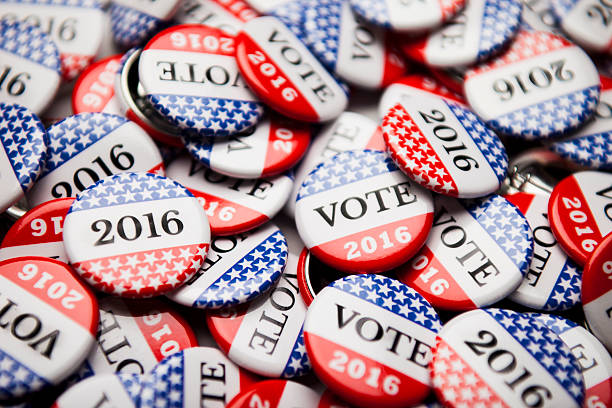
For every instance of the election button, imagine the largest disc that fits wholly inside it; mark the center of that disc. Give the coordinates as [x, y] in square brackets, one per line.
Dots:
[369, 338]
[126, 235]
[542, 87]
[497, 357]
[537, 15]
[313, 275]
[357, 52]
[23, 153]
[481, 30]
[444, 147]
[268, 148]
[94, 91]
[232, 205]
[477, 253]
[597, 292]
[228, 16]
[285, 75]
[195, 377]
[580, 213]
[593, 359]
[583, 25]
[48, 319]
[265, 336]
[38, 232]
[237, 269]
[30, 73]
[553, 280]
[113, 390]
[87, 147]
[280, 394]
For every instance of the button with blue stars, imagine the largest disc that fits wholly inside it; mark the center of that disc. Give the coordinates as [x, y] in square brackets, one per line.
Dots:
[370, 339]
[284, 393]
[116, 390]
[237, 269]
[542, 87]
[477, 253]
[501, 358]
[584, 24]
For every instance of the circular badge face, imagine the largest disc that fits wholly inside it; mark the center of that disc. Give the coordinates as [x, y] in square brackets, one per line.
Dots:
[542, 87]
[114, 390]
[313, 275]
[597, 292]
[195, 377]
[191, 78]
[553, 280]
[444, 147]
[30, 66]
[357, 52]
[265, 336]
[370, 340]
[477, 253]
[237, 269]
[232, 205]
[87, 147]
[583, 25]
[38, 232]
[23, 151]
[49, 319]
[271, 147]
[580, 212]
[228, 16]
[126, 235]
[285, 75]
[496, 357]
[279, 394]
[94, 91]
[358, 212]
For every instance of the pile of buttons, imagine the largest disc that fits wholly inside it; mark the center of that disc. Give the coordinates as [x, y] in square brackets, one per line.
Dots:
[306, 203]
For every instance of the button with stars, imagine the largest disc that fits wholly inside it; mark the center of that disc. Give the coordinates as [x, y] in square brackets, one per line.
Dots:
[542, 87]
[585, 23]
[94, 90]
[369, 338]
[444, 147]
[228, 16]
[477, 253]
[501, 358]
[113, 390]
[136, 235]
[87, 147]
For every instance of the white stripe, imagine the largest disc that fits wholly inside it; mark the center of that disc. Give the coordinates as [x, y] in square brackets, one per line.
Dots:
[599, 321]
[105, 389]
[590, 354]
[294, 392]
[414, 14]
[47, 249]
[159, 9]
[587, 26]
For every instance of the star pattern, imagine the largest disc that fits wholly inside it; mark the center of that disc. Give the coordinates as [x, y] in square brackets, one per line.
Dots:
[163, 386]
[593, 151]
[74, 64]
[561, 8]
[392, 295]
[16, 379]
[250, 276]
[131, 384]
[556, 323]
[291, 13]
[298, 363]
[322, 27]
[29, 42]
[373, 11]
[500, 23]
[25, 141]
[131, 27]
[566, 292]
[199, 147]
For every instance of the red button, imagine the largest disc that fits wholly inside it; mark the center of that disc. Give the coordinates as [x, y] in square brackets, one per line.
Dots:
[94, 91]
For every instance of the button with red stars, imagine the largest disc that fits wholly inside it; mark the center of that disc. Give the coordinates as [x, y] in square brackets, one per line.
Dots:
[284, 393]
[444, 146]
[113, 390]
[542, 87]
[583, 25]
[500, 358]
[227, 15]
[285, 75]
[49, 320]
[477, 253]
[87, 147]
[580, 213]
[313, 275]
[358, 212]
[94, 91]
[232, 205]
[266, 149]
[136, 235]
[370, 338]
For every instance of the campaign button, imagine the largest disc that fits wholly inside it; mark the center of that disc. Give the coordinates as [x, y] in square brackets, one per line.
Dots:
[227, 15]
[497, 357]
[477, 253]
[542, 87]
[232, 205]
[553, 280]
[580, 213]
[112, 390]
[537, 15]
[285, 75]
[266, 335]
[369, 338]
[87, 147]
[444, 147]
[48, 319]
[195, 377]
[237, 269]
[266, 149]
[351, 212]
[190, 76]
[283, 393]
[126, 235]
[24, 150]
[94, 91]
[38, 232]
[313, 275]
[481, 30]
[597, 292]
[30, 66]
[585, 23]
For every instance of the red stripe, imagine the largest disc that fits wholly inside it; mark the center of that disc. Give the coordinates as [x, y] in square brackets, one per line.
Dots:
[194, 38]
[521, 200]
[238, 9]
[287, 143]
[158, 169]
[394, 64]
[224, 325]
[376, 142]
[599, 394]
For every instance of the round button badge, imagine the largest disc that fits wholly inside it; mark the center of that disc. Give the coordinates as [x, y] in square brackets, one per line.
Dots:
[94, 90]
[227, 15]
[136, 235]
[583, 25]
[117, 390]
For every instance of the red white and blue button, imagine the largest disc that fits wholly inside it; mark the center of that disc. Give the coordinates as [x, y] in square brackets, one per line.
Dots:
[585, 22]
[115, 390]
[94, 91]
